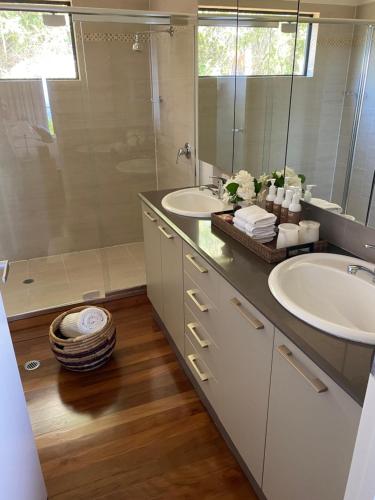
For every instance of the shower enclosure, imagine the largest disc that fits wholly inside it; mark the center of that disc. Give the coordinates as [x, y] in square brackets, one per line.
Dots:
[94, 105]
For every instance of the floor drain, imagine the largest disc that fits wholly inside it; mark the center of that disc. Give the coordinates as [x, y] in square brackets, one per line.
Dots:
[32, 365]
[28, 281]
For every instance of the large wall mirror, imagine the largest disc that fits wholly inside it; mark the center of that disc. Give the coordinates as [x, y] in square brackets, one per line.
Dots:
[246, 58]
[332, 120]
[287, 84]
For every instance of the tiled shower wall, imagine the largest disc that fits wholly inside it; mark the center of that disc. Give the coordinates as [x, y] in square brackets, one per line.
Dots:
[364, 157]
[79, 191]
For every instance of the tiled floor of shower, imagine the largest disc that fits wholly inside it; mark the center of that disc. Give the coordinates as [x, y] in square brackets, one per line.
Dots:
[72, 277]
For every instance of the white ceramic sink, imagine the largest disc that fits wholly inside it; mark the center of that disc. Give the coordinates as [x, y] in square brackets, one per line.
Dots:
[193, 203]
[318, 289]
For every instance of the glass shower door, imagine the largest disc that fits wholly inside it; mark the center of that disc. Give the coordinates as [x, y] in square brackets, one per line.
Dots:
[79, 141]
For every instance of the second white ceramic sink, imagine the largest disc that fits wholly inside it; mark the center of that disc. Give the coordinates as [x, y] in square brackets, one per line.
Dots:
[193, 202]
[318, 289]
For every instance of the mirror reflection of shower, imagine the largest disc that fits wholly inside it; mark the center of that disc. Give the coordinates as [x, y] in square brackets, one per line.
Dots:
[137, 44]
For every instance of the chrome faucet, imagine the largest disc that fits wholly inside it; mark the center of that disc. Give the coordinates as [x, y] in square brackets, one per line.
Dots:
[185, 151]
[353, 269]
[219, 189]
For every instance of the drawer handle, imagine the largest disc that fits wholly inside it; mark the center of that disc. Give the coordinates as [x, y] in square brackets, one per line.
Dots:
[255, 323]
[192, 295]
[315, 383]
[163, 231]
[192, 260]
[193, 361]
[192, 328]
[149, 216]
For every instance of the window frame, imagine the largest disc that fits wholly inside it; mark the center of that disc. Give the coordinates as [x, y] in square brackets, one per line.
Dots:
[235, 17]
[65, 3]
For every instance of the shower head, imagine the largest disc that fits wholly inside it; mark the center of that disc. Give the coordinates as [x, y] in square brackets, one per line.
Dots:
[137, 47]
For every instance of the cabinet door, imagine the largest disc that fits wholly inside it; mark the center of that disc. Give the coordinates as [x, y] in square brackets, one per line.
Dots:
[151, 235]
[311, 431]
[246, 344]
[172, 278]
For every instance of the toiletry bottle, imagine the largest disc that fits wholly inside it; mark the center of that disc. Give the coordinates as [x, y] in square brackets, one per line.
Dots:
[271, 196]
[285, 206]
[277, 203]
[294, 212]
[308, 194]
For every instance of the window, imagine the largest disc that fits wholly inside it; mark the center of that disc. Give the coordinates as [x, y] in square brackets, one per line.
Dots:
[36, 45]
[264, 47]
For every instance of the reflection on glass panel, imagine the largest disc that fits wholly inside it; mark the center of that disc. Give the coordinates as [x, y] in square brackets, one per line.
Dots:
[74, 153]
[323, 104]
[217, 50]
[265, 61]
[269, 50]
[217, 46]
[36, 45]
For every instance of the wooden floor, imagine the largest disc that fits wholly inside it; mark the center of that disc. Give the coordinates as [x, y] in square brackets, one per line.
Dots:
[134, 429]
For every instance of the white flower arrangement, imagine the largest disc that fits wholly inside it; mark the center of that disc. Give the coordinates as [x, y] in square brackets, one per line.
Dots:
[240, 188]
[243, 187]
[294, 179]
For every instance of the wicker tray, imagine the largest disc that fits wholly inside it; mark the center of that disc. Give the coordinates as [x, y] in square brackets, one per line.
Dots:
[83, 353]
[267, 251]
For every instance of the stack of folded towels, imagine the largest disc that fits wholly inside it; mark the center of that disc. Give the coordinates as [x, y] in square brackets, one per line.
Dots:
[88, 321]
[256, 223]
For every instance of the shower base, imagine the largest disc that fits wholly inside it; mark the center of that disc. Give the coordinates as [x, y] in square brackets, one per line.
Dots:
[48, 282]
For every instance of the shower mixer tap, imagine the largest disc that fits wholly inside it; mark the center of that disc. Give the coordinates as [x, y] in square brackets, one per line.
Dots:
[185, 151]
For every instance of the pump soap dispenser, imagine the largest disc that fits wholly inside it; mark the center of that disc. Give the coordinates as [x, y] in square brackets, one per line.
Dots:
[271, 196]
[308, 194]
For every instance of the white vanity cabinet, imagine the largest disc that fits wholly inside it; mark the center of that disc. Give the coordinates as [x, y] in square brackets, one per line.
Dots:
[293, 426]
[311, 431]
[164, 273]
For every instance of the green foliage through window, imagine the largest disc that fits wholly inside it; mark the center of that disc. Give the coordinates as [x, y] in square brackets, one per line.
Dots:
[29, 48]
[225, 50]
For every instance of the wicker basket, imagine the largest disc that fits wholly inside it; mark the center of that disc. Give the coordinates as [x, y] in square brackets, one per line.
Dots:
[86, 352]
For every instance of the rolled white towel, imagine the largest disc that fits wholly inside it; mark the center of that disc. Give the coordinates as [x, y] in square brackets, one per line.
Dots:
[91, 320]
[69, 326]
[87, 321]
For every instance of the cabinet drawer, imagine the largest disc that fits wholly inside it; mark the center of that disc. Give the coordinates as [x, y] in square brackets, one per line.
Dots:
[240, 313]
[202, 375]
[202, 341]
[201, 306]
[201, 272]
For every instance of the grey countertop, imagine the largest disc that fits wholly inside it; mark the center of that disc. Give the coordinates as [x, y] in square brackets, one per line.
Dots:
[347, 363]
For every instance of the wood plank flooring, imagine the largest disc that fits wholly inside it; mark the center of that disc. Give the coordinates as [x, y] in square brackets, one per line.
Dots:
[134, 429]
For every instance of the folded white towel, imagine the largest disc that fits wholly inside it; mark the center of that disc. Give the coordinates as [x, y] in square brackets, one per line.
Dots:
[265, 240]
[239, 223]
[256, 216]
[243, 213]
[253, 231]
[326, 205]
[87, 321]
[270, 234]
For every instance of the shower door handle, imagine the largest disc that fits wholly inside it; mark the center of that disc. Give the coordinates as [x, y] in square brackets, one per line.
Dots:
[4, 266]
